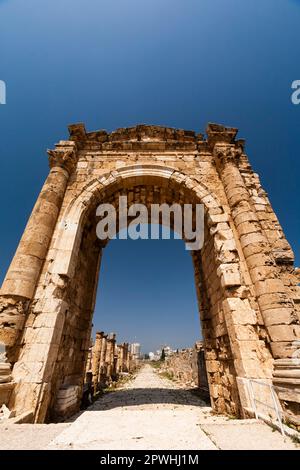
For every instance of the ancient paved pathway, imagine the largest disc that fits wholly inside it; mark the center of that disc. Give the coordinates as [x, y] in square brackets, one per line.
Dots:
[149, 412]
[152, 412]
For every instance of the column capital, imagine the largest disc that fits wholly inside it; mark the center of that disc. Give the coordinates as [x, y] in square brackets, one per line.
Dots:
[227, 153]
[99, 334]
[222, 143]
[64, 156]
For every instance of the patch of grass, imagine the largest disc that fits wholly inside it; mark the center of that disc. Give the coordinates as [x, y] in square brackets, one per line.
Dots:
[156, 364]
[167, 375]
[290, 425]
[295, 439]
[229, 417]
[111, 388]
[122, 380]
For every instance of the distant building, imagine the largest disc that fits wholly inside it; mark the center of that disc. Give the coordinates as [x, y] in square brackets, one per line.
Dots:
[153, 356]
[135, 349]
[169, 351]
[157, 355]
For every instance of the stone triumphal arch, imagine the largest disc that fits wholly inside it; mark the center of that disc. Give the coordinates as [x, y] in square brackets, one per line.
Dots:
[246, 284]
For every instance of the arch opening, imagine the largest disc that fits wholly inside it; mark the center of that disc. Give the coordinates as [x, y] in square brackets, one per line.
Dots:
[81, 293]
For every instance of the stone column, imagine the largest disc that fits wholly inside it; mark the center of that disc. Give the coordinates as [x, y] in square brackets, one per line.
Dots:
[102, 359]
[125, 358]
[112, 364]
[129, 361]
[96, 359]
[88, 367]
[120, 354]
[22, 276]
[275, 305]
[108, 356]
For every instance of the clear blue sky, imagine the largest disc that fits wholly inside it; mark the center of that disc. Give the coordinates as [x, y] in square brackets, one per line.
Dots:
[116, 63]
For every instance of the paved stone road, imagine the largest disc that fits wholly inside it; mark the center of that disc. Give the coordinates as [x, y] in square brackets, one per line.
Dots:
[151, 412]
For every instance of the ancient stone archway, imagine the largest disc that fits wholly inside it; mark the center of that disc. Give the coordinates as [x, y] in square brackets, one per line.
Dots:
[245, 280]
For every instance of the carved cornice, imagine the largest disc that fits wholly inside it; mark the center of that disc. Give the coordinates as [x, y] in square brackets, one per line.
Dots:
[153, 138]
[217, 133]
[140, 133]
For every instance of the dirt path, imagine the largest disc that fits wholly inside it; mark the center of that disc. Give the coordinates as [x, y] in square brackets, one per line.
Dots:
[151, 412]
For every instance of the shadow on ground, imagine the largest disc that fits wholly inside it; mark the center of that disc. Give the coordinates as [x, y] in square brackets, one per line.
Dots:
[147, 396]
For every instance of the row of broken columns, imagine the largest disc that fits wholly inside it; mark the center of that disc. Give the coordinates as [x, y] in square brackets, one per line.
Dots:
[107, 360]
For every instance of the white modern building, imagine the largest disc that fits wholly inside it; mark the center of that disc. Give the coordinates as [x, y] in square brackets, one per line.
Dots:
[135, 350]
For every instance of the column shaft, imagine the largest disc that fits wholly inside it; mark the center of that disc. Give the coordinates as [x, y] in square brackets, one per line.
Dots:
[272, 297]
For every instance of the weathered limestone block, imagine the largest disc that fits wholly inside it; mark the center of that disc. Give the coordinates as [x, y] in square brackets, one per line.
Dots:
[67, 401]
[252, 359]
[280, 316]
[12, 316]
[5, 372]
[269, 286]
[214, 219]
[274, 300]
[284, 332]
[229, 274]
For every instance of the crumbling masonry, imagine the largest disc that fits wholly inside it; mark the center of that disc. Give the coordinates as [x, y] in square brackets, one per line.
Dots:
[187, 366]
[247, 286]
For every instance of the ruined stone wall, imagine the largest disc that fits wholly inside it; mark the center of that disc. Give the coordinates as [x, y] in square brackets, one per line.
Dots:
[184, 366]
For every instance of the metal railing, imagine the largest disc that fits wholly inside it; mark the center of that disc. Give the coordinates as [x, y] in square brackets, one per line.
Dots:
[275, 406]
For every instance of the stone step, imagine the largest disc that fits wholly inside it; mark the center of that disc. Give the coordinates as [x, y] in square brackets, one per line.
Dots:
[4, 367]
[4, 378]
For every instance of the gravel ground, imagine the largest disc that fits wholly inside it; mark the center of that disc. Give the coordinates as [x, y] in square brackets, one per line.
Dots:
[148, 412]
